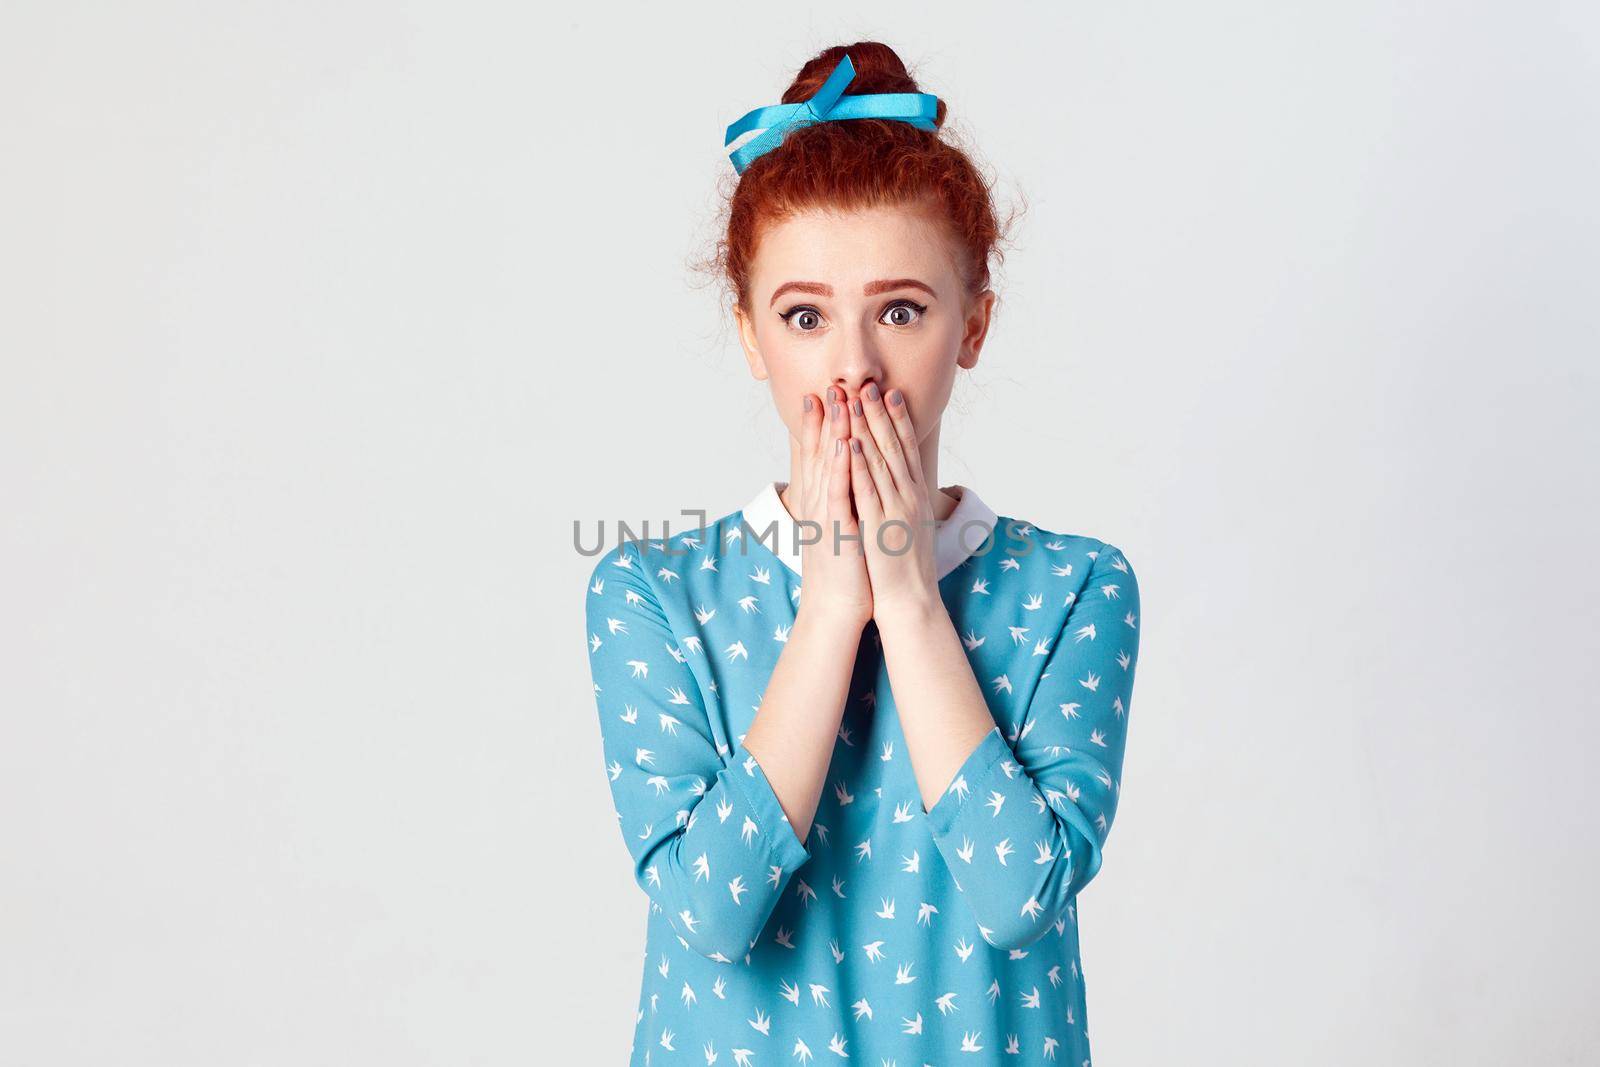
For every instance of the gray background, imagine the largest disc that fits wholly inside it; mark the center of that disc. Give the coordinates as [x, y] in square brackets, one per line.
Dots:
[321, 323]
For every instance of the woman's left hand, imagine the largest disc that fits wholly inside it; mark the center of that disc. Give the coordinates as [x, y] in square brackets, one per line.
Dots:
[888, 488]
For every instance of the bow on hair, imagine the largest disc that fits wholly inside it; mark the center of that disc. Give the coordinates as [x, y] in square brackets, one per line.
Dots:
[827, 104]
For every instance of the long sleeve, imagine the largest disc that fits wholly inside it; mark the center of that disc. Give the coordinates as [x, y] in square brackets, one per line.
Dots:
[710, 844]
[1022, 829]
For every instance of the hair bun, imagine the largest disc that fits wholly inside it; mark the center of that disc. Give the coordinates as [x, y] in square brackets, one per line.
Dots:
[879, 69]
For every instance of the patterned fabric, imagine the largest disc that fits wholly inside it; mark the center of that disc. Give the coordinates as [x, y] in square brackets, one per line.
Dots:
[892, 934]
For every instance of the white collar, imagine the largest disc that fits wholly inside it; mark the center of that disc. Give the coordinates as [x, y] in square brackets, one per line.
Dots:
[954, 539]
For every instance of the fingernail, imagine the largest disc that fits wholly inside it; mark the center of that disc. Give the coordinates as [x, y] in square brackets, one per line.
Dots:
[872, 390]
[855, 446]
[838, 443]
[895, 398]
[833, 409]
[855, 405]
[808, 403]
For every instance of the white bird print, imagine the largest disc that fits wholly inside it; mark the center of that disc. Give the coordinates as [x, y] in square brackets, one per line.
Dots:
[751, 603]
[762, 1022]
[981, 586]
[676, 695]
[724, 808]
[1061, 570]
[791, 993]
[819, 994]
[964, 949]
[614, 769]
[624, 561]
[598, 587]
[1086, 631]
[911, 864]
[1041, 647]
[833, 947]
[741, 1058]
[965, 851]
[996, 801]
[702, 869]
[737, 889]
[972, 640]
[1128, 618]
[672, 650]
[1010, 564]
[842, 794]
[762, 575]
[1002, 683]
[703, 614]
[1013, 1046]
[1050, 1044]
[803, 890]
[617, 626]
[781, 634]
[594, 645]
[1054, 974]
[1032, 908]
[692, 643]
[838, 887]
[946, 1003]
[1111, 591]
[642, 756]
[874, 951]
[801, 1052]
[688, 996]
[925, 914]
[887, 910]
[1070, 710]
[888, 751]
[711, 1054]
[1091, 682]
[663, 966]
[669, 724]
[1098, 737]
[719, 986]
[864, 850]
[993, 992]
[784, 938]
[708, 563]
[902, 812]
[862, 1009]
[666, 1040]
[903, 976]
[1031, 1000]
[1034, 602]
[912, 1026]
[1046, 853]
[749, 830]
[969, 1041]
[1019, 634]
[1002, 850]
[667, 575]
[1123, 659]
[736, 651]
[836, 1046]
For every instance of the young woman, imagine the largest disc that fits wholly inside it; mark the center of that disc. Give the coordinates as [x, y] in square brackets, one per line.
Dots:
[862, 815]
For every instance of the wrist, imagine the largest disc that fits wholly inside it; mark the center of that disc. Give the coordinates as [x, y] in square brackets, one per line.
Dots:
[910, 613]
[830, 621]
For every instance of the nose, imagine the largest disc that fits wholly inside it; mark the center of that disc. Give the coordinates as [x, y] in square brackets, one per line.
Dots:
[856, 362]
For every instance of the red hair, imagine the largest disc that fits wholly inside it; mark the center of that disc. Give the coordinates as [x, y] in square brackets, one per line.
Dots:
[861, 163]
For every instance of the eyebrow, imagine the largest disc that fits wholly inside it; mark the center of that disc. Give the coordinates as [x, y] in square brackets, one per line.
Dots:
[870, 289]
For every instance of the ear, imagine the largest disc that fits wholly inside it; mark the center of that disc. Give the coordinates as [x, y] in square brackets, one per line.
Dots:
[977, 328]
[747, 340]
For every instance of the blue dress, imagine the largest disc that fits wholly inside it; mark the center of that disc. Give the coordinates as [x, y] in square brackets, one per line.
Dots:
[892, 934]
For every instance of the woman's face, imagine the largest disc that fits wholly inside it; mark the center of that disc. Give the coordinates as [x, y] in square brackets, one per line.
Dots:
[874, 295]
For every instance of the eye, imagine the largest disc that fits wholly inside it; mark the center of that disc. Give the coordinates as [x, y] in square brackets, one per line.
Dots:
[902, 306]
[804, 313]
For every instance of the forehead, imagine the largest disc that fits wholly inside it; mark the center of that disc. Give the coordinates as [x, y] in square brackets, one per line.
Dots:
[846, 247]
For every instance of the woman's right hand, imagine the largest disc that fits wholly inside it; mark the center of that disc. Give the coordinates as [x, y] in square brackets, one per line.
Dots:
[834, 581]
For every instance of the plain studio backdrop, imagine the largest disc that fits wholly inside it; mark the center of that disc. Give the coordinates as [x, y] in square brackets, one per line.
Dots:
[323, 323]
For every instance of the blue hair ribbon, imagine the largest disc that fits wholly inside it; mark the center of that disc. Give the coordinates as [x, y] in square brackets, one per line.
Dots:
[827, 104]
